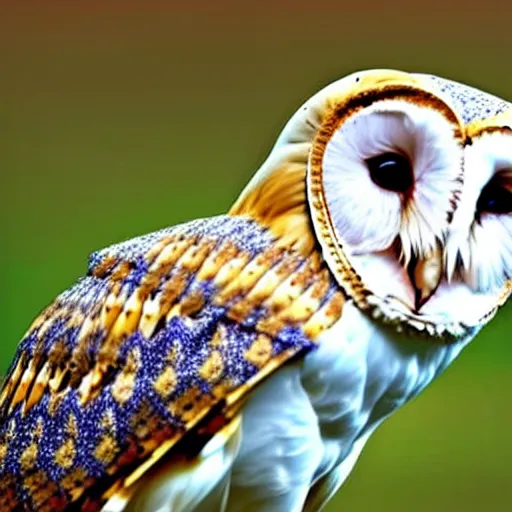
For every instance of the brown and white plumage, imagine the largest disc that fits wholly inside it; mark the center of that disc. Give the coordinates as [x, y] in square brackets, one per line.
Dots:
[241, 362]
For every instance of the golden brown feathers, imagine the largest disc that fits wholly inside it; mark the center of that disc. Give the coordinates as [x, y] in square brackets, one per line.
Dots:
[280, 203]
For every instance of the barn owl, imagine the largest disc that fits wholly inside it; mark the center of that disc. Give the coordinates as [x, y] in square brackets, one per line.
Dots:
[241, 362]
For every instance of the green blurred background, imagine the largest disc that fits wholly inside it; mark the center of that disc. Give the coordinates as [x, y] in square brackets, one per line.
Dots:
[120, 118]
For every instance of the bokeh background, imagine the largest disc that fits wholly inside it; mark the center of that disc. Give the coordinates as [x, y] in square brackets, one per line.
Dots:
[120, 118]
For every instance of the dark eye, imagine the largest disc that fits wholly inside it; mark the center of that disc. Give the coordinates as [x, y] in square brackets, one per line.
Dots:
[494, 198]
[391, 171]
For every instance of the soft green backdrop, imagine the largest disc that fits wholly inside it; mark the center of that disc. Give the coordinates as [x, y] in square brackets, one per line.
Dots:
[120, 119]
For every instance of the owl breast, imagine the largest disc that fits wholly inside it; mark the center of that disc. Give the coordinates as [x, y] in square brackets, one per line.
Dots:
[311, 419]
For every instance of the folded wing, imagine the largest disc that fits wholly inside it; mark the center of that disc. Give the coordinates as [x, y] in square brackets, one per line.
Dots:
[149, 355]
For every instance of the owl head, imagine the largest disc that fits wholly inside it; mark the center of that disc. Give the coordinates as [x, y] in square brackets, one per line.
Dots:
[404, 182]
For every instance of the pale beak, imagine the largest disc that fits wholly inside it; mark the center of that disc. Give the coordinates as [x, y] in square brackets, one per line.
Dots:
[425, 274]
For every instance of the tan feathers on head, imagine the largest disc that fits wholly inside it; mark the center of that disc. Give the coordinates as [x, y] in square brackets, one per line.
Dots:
[317, 189]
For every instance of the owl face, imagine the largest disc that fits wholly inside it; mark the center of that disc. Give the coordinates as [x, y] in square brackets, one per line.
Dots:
[478, 249]
[479, 245]
[409, 192]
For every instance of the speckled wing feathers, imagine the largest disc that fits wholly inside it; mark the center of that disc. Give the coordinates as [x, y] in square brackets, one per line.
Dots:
[166, 332]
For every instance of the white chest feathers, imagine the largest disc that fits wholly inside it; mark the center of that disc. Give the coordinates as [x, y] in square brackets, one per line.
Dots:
[303, 429]
[309, 422]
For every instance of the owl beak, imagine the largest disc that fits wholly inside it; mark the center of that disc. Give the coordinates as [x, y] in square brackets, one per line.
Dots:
[425, 274]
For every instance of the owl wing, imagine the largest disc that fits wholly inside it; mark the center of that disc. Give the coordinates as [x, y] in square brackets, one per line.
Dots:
[151, 353]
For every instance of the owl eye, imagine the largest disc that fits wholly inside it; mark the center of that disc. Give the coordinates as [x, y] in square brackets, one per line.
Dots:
[391, 171]
[494, 198]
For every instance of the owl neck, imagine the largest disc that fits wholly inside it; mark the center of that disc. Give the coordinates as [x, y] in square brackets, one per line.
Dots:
[277, 198]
